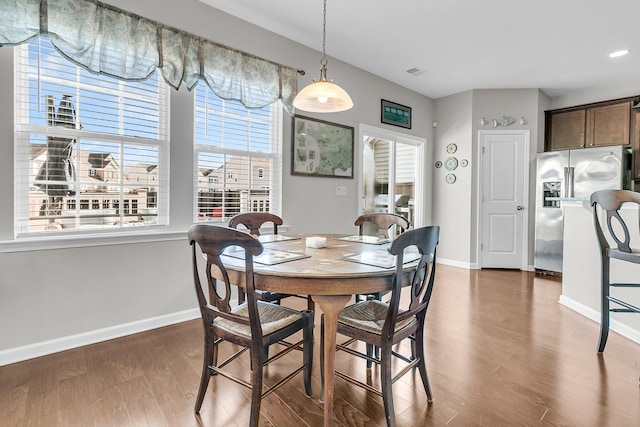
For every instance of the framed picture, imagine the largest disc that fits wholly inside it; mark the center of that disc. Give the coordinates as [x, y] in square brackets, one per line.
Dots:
[321, 148]
[395, 114]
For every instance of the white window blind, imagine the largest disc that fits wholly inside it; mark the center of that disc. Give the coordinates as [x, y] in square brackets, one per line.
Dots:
[238, 157]
[91, 150]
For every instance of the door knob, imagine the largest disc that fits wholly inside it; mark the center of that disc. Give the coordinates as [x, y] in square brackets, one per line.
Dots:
[520, 208]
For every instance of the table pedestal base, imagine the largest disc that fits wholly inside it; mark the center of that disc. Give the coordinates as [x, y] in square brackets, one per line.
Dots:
[331, 306]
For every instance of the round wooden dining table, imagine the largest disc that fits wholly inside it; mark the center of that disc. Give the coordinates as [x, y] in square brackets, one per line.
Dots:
[327, 277]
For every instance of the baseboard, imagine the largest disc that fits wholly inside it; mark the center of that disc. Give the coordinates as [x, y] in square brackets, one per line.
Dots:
[614, 325]
[455, 263]
[469, 265]
[31, 351]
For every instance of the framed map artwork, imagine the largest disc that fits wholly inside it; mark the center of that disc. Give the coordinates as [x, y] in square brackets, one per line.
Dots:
[321, 148]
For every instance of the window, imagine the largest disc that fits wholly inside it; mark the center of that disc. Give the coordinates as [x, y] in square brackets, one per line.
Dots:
[85, 142]
[238, 155]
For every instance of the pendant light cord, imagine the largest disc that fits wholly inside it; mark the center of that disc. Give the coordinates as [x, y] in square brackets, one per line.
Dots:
[323, 62]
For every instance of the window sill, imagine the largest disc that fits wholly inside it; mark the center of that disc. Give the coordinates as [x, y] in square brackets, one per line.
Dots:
[80, 241]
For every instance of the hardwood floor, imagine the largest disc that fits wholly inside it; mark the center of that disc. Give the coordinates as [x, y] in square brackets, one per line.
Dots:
[500, 350]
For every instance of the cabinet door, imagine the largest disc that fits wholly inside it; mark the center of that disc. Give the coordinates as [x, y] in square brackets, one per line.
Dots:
[566, 130]
[609, 125]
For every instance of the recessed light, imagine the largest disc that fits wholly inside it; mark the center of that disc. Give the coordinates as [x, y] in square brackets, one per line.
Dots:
[618, 53]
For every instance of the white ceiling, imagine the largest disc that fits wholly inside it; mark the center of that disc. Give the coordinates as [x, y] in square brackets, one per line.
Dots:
[558, 46]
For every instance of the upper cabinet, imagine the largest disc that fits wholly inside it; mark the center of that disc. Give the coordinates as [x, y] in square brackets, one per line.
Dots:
[609, 124]
[565, 130]
[594, 125]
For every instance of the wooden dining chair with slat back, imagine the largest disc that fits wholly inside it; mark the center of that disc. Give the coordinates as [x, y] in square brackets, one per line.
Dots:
[381, 223]
[383, 324]
[617, 230]
[253, 221]
[254, 325]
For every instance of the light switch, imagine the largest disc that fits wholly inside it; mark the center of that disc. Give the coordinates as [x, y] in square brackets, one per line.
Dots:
[341, 190]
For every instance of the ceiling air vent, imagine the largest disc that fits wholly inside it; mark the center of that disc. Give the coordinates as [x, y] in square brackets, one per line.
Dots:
[415, 71]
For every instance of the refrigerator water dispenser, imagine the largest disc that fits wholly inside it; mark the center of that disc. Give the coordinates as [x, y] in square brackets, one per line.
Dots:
[551, 194]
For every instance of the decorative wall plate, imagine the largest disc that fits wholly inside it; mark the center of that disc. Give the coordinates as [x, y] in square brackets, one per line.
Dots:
[464, 163]
[438, 164]
[451, 163]
[450, 178]
[452, 148]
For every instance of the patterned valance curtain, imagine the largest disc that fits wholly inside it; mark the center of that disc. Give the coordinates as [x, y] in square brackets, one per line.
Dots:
[108, 40]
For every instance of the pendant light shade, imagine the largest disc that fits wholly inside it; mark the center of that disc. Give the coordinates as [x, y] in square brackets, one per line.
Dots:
[323, 96]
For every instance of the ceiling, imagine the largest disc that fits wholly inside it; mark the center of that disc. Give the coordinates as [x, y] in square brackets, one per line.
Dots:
[558, 46]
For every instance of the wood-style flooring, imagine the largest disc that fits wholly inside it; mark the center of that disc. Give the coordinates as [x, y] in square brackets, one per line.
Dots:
[501, 351]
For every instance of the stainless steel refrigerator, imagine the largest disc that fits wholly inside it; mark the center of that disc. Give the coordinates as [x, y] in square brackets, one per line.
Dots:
[571, 175]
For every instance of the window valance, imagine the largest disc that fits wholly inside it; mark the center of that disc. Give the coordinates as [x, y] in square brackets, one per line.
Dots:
[108, 40]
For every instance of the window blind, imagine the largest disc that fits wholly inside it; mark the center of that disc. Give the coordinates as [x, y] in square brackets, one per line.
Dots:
[238, 157]
[91, 150]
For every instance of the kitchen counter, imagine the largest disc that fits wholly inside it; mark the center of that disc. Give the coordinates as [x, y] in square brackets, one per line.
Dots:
[581, 269]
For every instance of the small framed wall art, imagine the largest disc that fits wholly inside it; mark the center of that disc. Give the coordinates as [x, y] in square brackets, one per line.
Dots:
[321, 148]
[395, 114]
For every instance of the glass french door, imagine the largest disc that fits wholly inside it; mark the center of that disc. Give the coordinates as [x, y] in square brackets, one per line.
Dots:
[392, 170]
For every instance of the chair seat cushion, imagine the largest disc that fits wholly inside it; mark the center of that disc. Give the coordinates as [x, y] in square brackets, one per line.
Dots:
[272, 317]
[369, 316]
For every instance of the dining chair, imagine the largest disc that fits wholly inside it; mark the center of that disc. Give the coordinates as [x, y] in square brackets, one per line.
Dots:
[381, 222]
[253, 221]
[253, 325]
[617, 232]
[383, 324]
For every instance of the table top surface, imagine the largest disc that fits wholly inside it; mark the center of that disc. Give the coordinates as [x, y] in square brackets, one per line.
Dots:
[323, 271]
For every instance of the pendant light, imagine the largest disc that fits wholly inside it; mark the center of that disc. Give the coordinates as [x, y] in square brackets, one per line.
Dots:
[323, 96]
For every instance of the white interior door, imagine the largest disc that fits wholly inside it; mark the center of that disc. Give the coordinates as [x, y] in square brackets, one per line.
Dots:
[504, 212]
[391, 174]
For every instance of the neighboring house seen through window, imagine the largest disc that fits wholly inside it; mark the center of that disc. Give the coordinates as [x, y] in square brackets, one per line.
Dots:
[87, 144]
[238, 154]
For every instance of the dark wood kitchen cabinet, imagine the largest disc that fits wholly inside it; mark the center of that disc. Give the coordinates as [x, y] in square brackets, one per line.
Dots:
[593, 125]
[566, 130]
[609, 125]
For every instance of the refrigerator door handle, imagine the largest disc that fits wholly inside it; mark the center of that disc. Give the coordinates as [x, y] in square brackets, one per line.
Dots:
[569, 181]
[565, 182]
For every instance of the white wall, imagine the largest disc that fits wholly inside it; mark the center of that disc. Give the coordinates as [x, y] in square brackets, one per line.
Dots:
[458, 118]
[60, 298]
[309, 204]
[451, 208]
